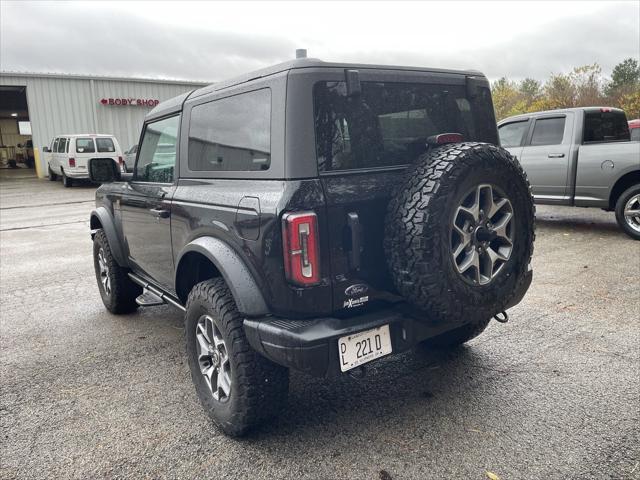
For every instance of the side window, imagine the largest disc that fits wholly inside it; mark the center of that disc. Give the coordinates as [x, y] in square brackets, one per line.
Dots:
[62, 145]
[85, 145]
[511, 134]
[231, 134]
[54, 149]
[157, 158]
[68, 143]
[605, 126]
[548, 131]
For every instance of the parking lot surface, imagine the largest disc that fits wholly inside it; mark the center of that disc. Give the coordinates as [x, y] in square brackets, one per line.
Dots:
[554, 393]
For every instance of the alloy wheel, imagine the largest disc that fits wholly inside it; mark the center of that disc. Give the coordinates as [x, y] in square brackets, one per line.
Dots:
[213, 358]
[632, 212]
[105, 279]
[482, 234]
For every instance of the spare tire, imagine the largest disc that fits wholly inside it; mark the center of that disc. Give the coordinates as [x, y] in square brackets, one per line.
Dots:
[459, 232]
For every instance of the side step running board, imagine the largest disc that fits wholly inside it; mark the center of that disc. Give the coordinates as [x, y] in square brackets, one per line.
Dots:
[154, 296]
[149, 299]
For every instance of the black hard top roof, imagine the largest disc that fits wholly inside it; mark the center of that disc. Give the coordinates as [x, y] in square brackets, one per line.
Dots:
[175, 104]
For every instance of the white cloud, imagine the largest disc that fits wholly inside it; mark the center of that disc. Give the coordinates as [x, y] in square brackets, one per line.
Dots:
[213, 41]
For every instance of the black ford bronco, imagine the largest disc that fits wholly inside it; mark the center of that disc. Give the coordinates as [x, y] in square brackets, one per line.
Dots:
[315, 216]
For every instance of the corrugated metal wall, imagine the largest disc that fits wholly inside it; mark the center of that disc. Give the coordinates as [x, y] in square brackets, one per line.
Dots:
[66, 105]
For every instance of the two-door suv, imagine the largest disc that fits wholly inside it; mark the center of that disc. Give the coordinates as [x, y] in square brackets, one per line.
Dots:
[315, 216]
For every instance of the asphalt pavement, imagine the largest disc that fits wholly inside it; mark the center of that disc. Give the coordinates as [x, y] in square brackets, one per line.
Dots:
[552, 394]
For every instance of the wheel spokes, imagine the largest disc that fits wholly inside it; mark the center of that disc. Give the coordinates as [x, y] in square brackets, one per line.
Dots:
[213, 358]
[482, 234]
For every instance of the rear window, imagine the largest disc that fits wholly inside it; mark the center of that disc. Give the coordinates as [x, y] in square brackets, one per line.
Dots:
[105, 145]
[388, 123]
[605, 127]
[548, 131]
[85, 145]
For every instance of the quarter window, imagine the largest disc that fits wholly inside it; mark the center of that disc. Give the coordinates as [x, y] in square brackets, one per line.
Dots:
[157, 157]
[85, 145]
[511, 134]
[548, 131]
[231, 134]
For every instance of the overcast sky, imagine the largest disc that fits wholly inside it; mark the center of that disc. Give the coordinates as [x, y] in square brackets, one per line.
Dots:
[214, 41]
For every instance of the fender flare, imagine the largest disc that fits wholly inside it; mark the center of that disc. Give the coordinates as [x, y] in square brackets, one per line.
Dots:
[106, 220]
[243, 286]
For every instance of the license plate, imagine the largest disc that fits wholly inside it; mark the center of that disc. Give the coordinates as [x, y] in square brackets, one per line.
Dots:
[362, 347]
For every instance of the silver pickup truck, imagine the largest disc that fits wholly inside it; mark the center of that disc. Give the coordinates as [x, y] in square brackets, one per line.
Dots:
[582, 157]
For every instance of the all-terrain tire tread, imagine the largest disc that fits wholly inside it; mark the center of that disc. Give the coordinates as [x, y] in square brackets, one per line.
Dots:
[412, 238]
[260, 386]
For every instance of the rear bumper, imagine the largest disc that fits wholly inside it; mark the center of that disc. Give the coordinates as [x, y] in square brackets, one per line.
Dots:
[77, 174]
[311, 346]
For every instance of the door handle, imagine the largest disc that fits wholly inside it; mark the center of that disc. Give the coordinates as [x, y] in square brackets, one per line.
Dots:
[356, 245]
[556, 155]
[160, 213]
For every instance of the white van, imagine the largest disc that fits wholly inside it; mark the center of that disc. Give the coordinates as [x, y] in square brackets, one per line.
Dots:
[68, 155]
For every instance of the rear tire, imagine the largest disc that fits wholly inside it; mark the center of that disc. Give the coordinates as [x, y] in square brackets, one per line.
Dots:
[457, 336]
[238, 388]
[629, 201]
[66, 181]
[52, 176]
[117, 290]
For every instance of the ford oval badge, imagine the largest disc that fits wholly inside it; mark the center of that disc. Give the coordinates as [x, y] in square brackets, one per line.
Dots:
[357, 289]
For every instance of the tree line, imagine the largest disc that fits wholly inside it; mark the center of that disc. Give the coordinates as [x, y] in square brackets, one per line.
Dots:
[585, 86]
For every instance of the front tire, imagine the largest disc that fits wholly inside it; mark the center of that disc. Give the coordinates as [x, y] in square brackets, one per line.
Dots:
[52, 176]
[628, 212]
[117, 290]
[238, 388]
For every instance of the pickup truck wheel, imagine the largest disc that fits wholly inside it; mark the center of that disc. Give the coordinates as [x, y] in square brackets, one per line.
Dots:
[457, 336]
[117, 290]
[66, 181]
[628, 212]
[237, 387]
[459, 232]
[52, 176]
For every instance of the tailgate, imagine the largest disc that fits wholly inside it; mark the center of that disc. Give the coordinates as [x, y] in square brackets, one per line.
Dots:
[356, 208]
[364, 143]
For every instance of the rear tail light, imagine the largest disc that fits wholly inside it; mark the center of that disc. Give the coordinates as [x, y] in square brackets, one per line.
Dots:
[301, 249]
[72, 162]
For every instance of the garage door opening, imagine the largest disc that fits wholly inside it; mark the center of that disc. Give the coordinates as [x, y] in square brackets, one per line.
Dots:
[16, 144]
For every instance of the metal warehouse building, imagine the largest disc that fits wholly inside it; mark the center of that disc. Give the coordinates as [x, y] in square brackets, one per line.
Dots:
[37, 107]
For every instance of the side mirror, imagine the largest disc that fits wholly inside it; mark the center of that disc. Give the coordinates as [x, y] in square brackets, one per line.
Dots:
[103, 170]
[45, 149]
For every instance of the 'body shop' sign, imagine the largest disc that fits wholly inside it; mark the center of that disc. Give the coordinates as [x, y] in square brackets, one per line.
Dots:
[134, 102]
